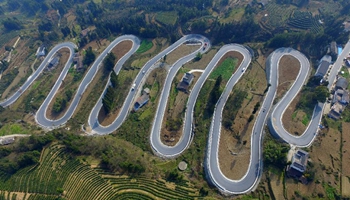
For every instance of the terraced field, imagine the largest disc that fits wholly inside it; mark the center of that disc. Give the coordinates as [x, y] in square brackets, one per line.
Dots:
[60, 175]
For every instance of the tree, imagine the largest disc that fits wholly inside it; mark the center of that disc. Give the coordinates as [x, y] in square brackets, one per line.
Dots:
[109, 61]
[89, 57]
[198, 56]
[321, 93]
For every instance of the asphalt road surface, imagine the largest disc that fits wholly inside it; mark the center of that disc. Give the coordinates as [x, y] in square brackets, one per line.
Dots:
[35, 74]
[228, 186]
[97, 128]
[40, 116]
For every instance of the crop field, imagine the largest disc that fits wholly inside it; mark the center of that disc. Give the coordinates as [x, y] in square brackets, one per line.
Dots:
[58, 174]
[305, 21]
[277, 15]
[145, 46]
[226, 69]
[167, 18]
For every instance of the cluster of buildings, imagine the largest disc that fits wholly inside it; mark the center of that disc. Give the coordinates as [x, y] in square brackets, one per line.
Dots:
[340, 98]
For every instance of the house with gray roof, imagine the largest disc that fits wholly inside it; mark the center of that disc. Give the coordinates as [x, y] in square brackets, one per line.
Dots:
[322, 68]
[342, 83]
[185, 82]
[299, 164]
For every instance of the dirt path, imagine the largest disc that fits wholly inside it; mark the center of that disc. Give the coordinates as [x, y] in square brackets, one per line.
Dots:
[288, 71]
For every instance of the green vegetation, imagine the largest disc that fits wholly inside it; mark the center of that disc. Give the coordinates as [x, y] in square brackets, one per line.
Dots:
[214, 96]
[305, 20]
[145, 46]
[61, 101]
[167, 18]
[109, 100]
[89, 57]
[275, 153]
[108, 62]
[9, 129]
[226, 69]
[233, 104]
[198, 56]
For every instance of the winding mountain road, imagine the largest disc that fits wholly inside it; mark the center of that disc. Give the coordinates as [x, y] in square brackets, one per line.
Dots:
[248, 182]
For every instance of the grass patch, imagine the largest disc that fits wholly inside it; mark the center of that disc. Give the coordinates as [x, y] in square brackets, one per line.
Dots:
[294, 115]
[167, 18]
[236, 14]
[346, 73]
[9, 129]
[225, 69]
[306, 120]
[36, 84]
[145, 46]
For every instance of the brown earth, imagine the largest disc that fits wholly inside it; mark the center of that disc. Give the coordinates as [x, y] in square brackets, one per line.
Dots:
[64, 55]
[202, 63]
[288, 71]
[234, 148]
[327, 164]
[345, 178]
[180, 52]
[176, 110]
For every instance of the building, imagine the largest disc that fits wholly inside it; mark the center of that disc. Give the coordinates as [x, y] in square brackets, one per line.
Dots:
[322, 68]
[78, 61]
[340, 98]
[142, 100]
[6, 141]
[84, 32]
[299, 164]
[185, 82]
[334, 48]
[346, 26]
[54, 62]
[336, 111]
[342, 84]
[40, 51]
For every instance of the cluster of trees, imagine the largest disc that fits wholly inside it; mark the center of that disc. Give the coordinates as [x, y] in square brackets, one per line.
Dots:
[312, 93]
[89, 57]
[115, 157]
[174, 176]
[61, 102]
[233, 104]
[173, 124]
[24, 153]
[109, 100]
[213, 98]
[11, 24]
[275, 153]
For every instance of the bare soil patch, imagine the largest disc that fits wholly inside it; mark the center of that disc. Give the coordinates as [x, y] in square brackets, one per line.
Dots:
[180, 52]
[176, 110]
[288, 71]
[234, 148]
[202, 63]
[345, 178]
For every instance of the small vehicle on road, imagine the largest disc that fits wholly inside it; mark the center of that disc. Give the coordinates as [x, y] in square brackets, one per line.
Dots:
[243, 69]
[133, 86]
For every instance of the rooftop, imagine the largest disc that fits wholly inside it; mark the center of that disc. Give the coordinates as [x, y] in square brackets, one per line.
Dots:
[322, 68]
[342, 83]
[299, 161]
